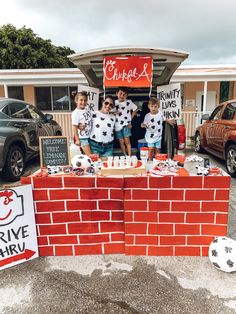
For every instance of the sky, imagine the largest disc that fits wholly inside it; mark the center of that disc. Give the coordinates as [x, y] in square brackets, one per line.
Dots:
[203, 28]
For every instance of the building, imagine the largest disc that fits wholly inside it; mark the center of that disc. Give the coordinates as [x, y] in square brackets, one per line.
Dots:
[203, 87]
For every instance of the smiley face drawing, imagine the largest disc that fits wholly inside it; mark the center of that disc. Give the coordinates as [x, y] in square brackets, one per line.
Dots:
[11, 206]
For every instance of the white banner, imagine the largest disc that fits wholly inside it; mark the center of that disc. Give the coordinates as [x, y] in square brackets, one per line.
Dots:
[93, 96]
[18, 239]
[170, 100]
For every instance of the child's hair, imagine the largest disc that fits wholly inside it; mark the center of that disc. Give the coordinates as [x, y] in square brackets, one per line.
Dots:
[83, 94]
[123, 89]
[154, 101]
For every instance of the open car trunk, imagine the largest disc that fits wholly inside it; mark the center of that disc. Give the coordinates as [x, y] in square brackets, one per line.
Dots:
[165, 62]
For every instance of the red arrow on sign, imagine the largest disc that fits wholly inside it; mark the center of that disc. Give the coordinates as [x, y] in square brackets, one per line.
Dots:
[27, 254]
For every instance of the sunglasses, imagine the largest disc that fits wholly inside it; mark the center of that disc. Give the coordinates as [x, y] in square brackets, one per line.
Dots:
[107, 103]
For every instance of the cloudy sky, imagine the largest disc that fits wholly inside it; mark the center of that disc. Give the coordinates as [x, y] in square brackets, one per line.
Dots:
[204, 28]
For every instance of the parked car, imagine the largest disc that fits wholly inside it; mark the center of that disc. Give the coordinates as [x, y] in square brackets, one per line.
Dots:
[165, 62]
[218, 134]
[21, 124]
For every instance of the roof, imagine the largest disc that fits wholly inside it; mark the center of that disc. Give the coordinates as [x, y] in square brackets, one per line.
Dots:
[185, 73]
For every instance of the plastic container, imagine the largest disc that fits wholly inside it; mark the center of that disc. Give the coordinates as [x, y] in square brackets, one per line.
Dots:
[144, 153]
[74, 150]
[141, 143]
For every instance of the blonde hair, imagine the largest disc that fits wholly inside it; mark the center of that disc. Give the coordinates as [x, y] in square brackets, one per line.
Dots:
[154, 101]
[83, 94]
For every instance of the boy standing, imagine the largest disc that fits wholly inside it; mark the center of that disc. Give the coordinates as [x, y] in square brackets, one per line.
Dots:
[125, 111]
[153, 124]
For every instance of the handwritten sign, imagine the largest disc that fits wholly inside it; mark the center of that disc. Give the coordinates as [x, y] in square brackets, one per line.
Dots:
[127, 71]
[170, 100]
[53, 151]
[18, 239]
[93, 96]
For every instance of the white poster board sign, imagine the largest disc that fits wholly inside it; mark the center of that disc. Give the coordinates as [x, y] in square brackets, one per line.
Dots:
[18, 239]
[170, 100]
[93, 96]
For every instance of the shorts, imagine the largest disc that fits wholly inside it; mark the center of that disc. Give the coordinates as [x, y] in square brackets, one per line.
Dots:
[103, 150]
[124, 132]
[84, 142]
[155, 144]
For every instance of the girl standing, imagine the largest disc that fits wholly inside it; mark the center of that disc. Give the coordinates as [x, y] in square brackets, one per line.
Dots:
[82, 122]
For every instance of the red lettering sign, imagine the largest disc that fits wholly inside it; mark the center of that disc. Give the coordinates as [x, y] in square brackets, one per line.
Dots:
[127, 71]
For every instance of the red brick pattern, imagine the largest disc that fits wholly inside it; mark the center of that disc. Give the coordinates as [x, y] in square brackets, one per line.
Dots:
[175, 216]
[132, 215]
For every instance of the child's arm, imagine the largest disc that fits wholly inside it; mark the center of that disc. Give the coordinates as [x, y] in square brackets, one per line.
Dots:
[134, 109]
[145, 123]
[76, 135]
[171, 121]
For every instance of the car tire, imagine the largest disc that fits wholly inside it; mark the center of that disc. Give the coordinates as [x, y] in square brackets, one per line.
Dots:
[14, 165]
[231, 160]
[198, 147]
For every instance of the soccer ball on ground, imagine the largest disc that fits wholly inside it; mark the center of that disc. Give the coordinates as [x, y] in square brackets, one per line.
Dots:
[222, 254]
[81, 161]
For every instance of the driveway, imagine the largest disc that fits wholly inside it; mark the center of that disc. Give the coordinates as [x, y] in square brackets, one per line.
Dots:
[121, 284]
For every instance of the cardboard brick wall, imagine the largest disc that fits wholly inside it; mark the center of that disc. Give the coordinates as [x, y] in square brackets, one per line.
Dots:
[131, 215]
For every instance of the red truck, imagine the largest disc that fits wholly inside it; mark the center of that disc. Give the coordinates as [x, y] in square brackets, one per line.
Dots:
[217, 135]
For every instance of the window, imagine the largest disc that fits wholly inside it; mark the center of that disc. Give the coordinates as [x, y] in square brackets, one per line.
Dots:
[16, 92]
[224, 91]
[60, 98]
[229, 112]
[43, 98]
[35, 113]
[216, 113]
[55, 98]
[19, 111]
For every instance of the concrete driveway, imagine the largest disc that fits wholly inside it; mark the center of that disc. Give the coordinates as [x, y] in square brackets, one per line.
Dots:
[120, 284]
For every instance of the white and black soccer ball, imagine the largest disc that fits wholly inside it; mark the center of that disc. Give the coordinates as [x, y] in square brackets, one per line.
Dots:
[81, 161]
[54, 169]
[222, 254]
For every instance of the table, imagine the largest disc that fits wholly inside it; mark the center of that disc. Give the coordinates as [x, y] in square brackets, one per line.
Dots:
[142, 215]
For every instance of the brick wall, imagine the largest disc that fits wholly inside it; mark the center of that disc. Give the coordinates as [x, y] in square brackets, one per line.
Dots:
[131, 215]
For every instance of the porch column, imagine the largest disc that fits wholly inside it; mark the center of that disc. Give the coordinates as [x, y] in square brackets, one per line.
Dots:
[204, 97]
[5, 90]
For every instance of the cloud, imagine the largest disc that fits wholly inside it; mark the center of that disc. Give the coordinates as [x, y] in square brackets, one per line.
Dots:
[205, 29]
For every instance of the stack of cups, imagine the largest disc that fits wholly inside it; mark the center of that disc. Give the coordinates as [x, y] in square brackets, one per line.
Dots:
[134, 161]
[109, 161]
[116, 161]
[144, 154]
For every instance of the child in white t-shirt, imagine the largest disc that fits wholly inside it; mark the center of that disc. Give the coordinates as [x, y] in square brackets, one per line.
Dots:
[125, 111]
[153, 122]
[82, 121]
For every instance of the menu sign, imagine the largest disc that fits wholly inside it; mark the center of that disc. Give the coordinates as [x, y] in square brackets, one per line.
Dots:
[53, 151]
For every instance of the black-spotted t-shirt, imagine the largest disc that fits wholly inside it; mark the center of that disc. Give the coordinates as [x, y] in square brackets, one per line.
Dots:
[102, 127]
[154, 127]
[123, 113]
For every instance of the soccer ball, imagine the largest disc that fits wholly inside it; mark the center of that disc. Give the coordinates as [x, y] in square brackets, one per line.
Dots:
[81, 161]
[222, 254]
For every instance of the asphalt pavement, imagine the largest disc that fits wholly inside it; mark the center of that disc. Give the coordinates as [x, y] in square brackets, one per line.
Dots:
[120, 284]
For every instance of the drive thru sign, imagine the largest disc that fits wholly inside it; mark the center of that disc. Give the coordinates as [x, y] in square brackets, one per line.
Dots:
[18, 239]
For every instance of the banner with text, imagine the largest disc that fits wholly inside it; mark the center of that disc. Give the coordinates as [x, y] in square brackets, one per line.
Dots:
[127, 71]
[93, 96]
[170, 100]
[18, 239]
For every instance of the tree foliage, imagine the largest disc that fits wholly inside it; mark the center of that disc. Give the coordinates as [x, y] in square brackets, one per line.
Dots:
[23, 49]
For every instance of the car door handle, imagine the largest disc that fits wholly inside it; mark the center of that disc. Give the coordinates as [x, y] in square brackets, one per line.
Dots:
[227, 127]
